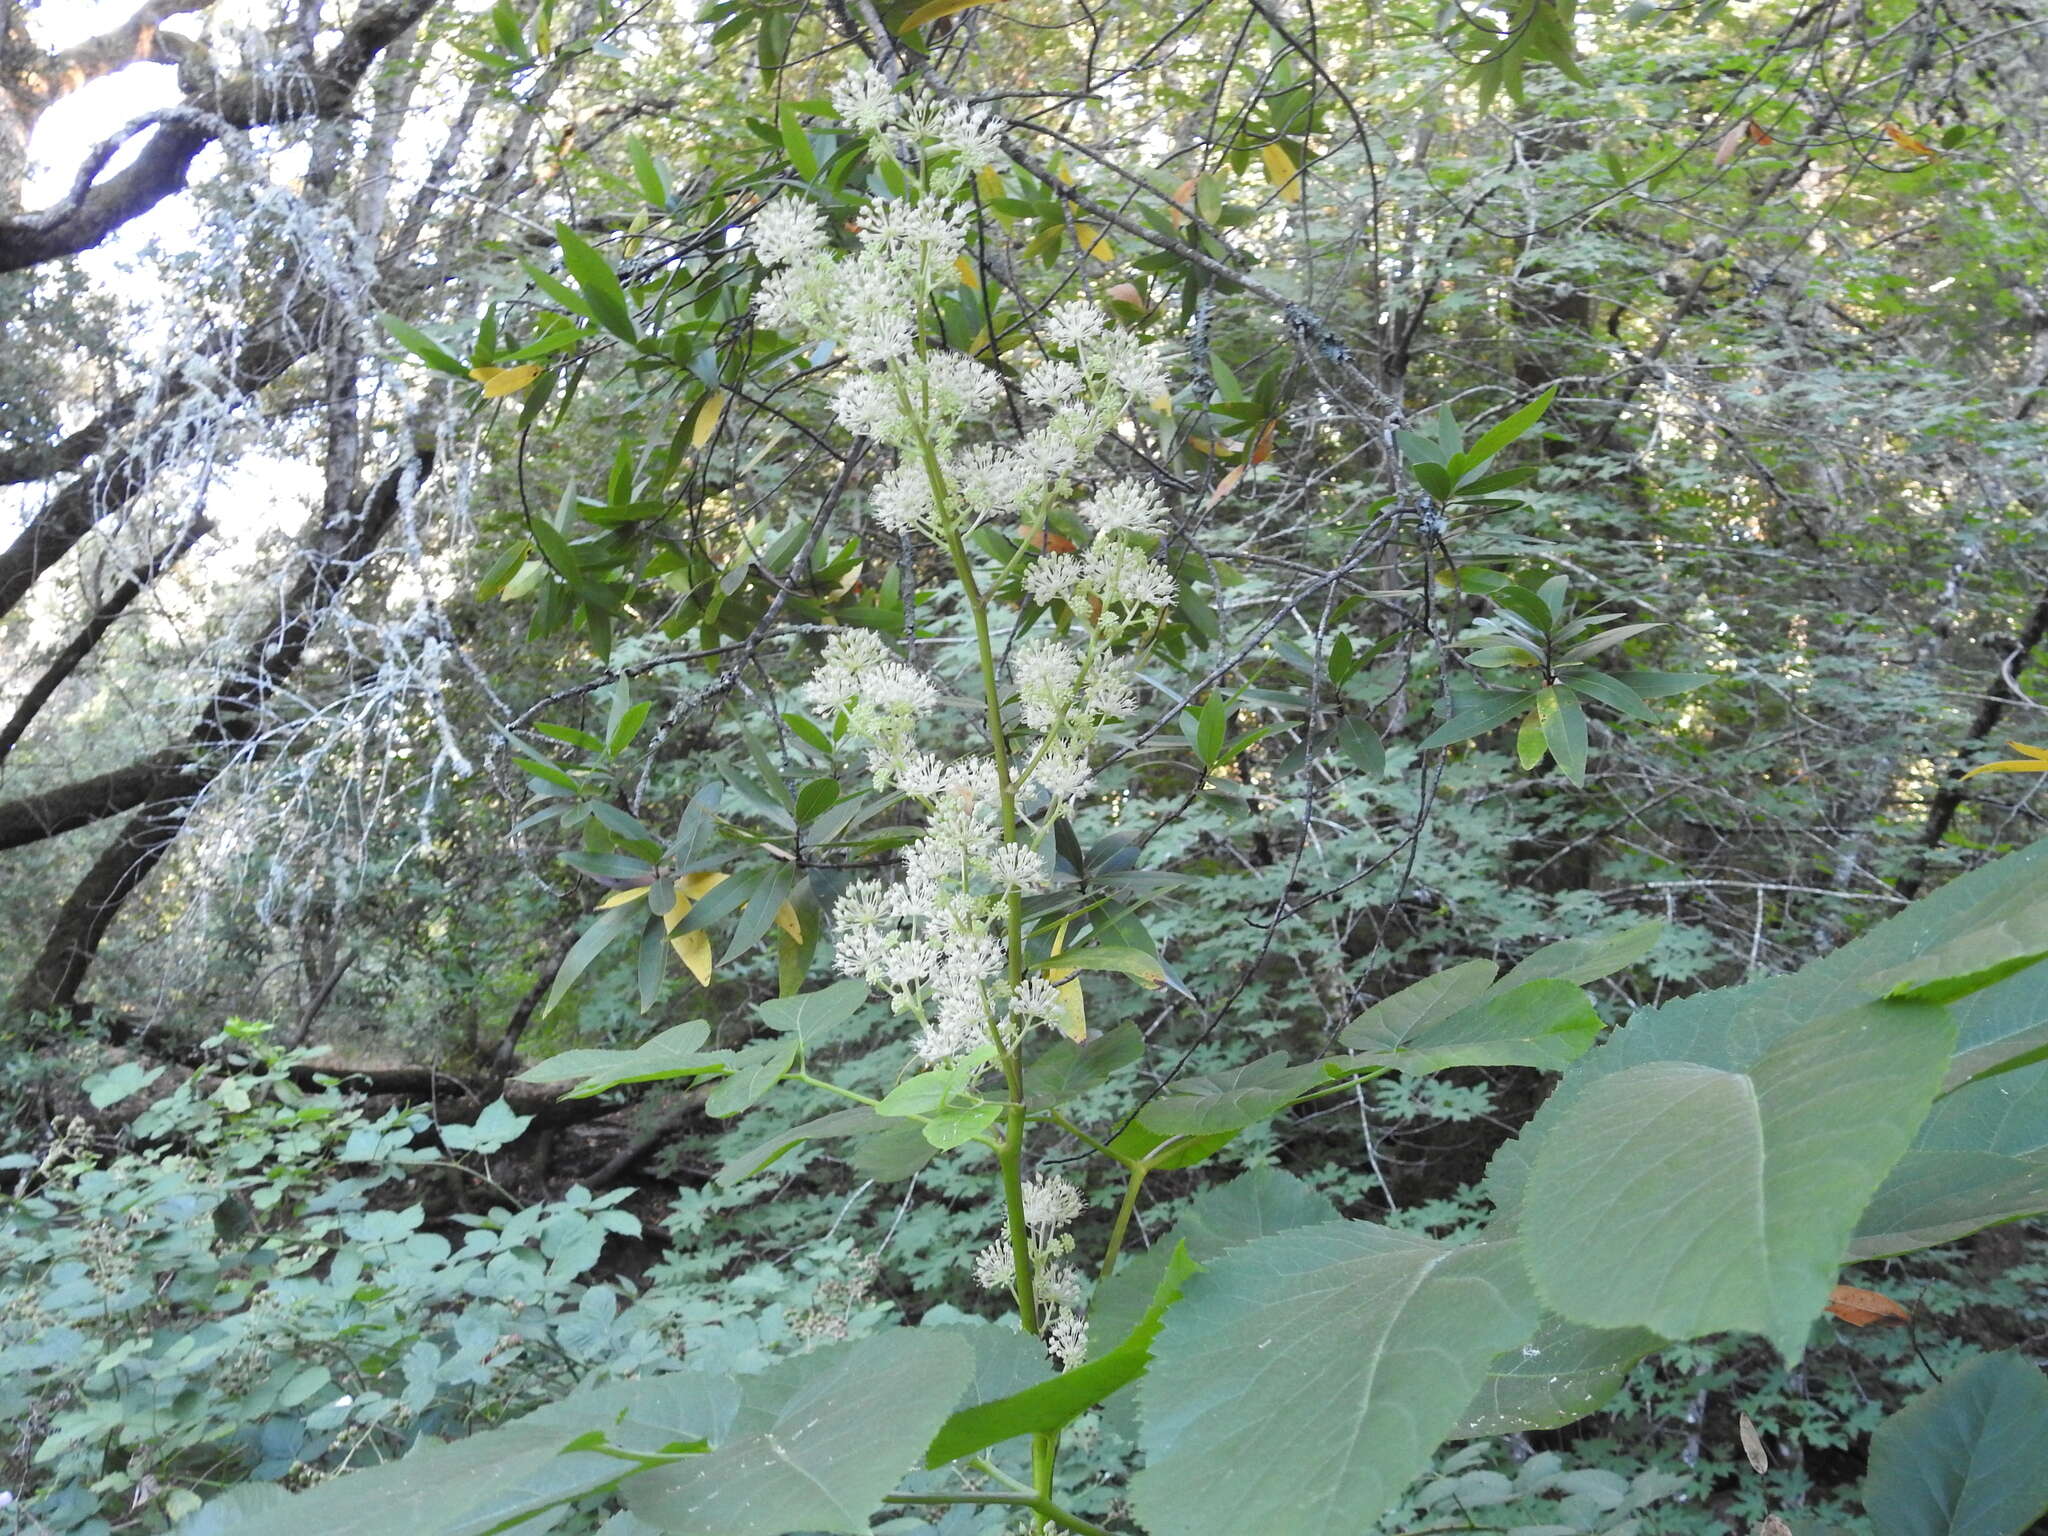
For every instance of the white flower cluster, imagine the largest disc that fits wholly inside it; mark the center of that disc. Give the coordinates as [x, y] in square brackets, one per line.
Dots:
[969, 136]
[1050, 1205]
[932, 940]
[882, 697]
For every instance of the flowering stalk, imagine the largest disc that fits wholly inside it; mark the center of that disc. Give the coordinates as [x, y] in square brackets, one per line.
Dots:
[947, 940]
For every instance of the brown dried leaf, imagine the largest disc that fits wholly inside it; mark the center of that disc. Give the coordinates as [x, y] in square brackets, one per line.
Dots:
[1860, 1308]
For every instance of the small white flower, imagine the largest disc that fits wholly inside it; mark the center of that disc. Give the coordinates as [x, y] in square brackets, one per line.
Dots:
[1050, 1203]
[994, 1268]
[1016, 868]
[924, 775]
[902, 501]
[910, 963]
[1067, 1340]
[1128, 506]
[862, 904]
[788, 231]
[1036, 1000]
[1074, 323]
[1046, 672]
[863, 952]
[1056, 578]
[1053, 384]
[1060, 777]
[972, 134]
[864, 99]
[867, 406]
[1111, 695]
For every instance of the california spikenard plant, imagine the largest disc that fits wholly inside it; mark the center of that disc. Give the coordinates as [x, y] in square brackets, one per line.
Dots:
[1709, 1167]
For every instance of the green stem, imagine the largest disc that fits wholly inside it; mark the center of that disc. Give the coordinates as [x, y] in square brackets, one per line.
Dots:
[844, 1093]
[1045, 1451]
[1122, 1224]
[1045, 1508]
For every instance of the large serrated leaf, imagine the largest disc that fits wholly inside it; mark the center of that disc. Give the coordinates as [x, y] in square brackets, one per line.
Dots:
[1690, 1198]
[1965, 1458]
[1303, 1381]
[1981, 1158]
[1564, 1372]
[818, 1440]
[493, 1478]
[1545, 1024]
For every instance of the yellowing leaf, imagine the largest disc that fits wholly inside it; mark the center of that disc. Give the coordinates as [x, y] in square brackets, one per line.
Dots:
[694, 950]
[620, 898]
[1262, 450]
[787, 920]
[1073, 1020]
[1854, 1305]
[1093, 242]
[936, 10]
[968, 272]
[499, 382]
[2030, 760]
[1905, 140]
[1224, 487]
[1282, 172]
[706, 424]
[700, 884]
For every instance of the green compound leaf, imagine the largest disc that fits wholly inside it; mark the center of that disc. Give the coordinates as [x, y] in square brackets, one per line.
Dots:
[1303, 1381]
[1688, 1199]
[1964, 1459]
[818, 1441]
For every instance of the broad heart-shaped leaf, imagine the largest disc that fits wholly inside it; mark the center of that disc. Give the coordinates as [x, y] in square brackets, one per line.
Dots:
[1965, 1458]
[1732, 1027]
[483, 1483]
[1303, 1380]
[672, 1053]
[1688, 1199]
[1981, 1158]
[1007, 1361]
[1545, 1024]
[1255, 1204]
[1065, 1397]
[818, 1441]
[1564, 1372]
[1229, 1100]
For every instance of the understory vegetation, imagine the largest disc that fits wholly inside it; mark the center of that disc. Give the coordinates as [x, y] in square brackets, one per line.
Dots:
[942, 768]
